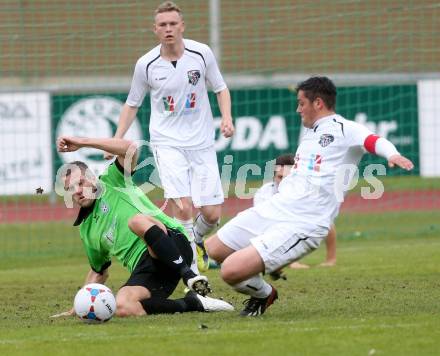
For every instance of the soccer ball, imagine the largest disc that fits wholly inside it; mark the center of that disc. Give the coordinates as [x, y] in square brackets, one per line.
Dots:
[94, 303]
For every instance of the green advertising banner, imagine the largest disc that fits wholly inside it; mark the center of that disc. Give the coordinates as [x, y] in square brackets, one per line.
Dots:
[265, 120]
[389, 111]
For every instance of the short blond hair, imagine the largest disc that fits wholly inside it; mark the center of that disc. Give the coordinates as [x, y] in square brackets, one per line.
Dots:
[168, 6]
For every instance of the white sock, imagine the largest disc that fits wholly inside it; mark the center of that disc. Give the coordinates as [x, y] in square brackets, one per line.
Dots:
[194, 266]
[202, 227]
[255, 287]
[188, 225]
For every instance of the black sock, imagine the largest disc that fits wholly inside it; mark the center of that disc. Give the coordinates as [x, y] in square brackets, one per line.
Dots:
[167, 252]
[158, 305]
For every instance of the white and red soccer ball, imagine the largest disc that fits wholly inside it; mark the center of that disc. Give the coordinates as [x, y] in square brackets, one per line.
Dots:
[94, 303]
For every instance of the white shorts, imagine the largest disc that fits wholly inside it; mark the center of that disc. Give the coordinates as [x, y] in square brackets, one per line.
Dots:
[189, 173]
[278, 242]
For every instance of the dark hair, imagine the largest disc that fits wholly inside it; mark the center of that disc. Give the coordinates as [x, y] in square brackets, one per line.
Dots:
[80, 164]
[319, 87]
[287, 159]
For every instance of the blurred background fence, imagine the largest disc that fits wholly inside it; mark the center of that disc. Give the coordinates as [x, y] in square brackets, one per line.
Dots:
[66, 67]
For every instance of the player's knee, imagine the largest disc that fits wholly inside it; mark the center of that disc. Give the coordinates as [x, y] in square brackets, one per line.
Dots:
[230, 274]
[139, 224]
[129, 309]
[127, 303]
[215, 249]
[212, 217]
[211, 213]
[122, 311]
[211, 249]
[182, 208]
[122, 302]
[134, 223]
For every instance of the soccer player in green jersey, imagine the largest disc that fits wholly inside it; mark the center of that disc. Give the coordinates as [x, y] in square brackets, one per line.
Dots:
[117, 219]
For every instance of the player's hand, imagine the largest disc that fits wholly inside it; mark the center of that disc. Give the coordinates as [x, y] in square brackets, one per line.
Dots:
[68, 313]
[68, 144]
[227, 127]
[400, 161]
[108, 156]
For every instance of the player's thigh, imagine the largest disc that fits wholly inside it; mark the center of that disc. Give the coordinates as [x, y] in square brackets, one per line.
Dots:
[216, 249]
[284, 243]
[140, 223]
[174, 171]
[206, 187]
[237, 232]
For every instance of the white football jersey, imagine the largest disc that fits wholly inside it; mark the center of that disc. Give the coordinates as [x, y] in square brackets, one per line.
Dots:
[180, 111]
[309, 194]
[265, 192]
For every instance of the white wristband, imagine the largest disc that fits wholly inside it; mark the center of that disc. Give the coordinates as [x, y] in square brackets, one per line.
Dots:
[385, 148]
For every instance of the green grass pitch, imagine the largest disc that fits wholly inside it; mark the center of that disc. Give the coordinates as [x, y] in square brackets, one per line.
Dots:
[381, 299]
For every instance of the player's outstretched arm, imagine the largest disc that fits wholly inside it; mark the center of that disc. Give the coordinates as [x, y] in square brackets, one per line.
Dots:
[385, 148]
[400, 161]
[115, 146]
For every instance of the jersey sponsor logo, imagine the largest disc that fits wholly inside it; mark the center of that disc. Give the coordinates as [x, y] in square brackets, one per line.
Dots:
[193, 76]
[168, 103]
[315, 162]
[190, 102]
[326, 139]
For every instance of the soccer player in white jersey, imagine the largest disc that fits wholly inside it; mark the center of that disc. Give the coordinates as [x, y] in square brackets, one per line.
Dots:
[177, 74]
[293, 222]
[283, 165]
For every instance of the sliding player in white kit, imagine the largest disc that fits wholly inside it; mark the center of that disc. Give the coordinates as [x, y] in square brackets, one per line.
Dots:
[295, 220]
[283, 165]
[177, 73]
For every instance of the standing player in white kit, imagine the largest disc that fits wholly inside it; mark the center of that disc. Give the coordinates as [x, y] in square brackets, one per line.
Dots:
[177, 73]
[294, 222]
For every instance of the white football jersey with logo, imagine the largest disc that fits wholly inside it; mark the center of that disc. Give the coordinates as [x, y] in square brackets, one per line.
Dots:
[265, 192]
[180, 111]
[309, 194]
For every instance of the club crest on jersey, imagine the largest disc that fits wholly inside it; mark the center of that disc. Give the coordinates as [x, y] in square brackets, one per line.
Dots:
[193, 76]
[104, 207]
[326, 139]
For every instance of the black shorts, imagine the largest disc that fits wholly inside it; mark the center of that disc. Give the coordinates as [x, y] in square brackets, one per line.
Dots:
[154, 275]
